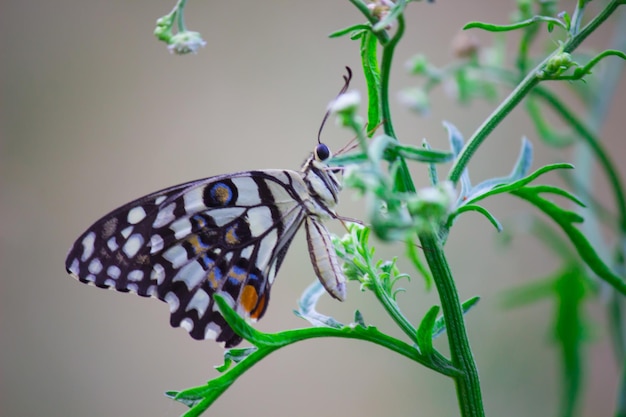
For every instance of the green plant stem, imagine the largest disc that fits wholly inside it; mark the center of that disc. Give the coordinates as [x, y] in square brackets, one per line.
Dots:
[604, 14]
[203, 396]
[577, 17]
[586, 134]
[467, 383]
[523, 88]
[180, 15]
[483, 131]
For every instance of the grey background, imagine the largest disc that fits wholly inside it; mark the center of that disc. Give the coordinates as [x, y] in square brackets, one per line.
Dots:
[95, 112]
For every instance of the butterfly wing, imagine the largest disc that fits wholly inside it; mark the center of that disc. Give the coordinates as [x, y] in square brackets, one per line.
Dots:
[226, 234]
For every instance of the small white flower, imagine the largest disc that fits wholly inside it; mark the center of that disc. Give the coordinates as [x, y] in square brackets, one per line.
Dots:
[185, 43]
[346, 103]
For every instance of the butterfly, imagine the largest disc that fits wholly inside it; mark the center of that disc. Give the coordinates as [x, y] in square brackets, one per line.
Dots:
[226, 234]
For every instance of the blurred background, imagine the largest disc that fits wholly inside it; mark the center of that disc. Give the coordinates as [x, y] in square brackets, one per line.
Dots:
[95, 112]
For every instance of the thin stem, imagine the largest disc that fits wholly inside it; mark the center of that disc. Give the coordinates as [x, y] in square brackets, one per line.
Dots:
[577, 17]
[180, 15]
[527, 84]
[467, 383]
[474, 142]
[388, 303]
[575, 41]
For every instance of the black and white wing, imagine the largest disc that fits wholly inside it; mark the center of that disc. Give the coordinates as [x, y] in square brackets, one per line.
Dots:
[226, 234]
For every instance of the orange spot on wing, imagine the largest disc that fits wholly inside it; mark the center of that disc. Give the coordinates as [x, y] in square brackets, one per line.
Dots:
[248, 298]
[260, 308]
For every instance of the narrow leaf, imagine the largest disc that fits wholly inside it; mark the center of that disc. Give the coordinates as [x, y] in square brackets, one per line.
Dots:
[425, 331]
[479, 209]
[565, 220]
[505, 28]
[351, 29]
[423, 154]
[371, 72]
[440, 323]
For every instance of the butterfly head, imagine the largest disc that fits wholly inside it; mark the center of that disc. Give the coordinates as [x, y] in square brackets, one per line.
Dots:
[321, 152]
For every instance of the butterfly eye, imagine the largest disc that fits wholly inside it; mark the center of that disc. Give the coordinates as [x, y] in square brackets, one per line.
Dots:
[322, 152]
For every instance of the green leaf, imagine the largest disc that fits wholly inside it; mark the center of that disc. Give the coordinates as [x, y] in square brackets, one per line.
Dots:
[412, 253]
[489, 188]
[432, 168]
[240, 326]
[530, 293]
[440, 323]
[565, 220]
[582, 71]
[504, 28]
[349, 159]
[479, 209]
[546, 131]
[358, 319]
[474, 194]
[455, 138]
[188, 401]
[371, 72]
[425, 331]
[422, 154]
[350, 30]
[234, 355]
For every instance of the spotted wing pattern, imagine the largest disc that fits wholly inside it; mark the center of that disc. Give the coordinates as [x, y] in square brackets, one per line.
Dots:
[226, 234]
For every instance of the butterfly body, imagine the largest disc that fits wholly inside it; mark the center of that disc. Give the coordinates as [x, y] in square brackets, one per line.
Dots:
[226, 234]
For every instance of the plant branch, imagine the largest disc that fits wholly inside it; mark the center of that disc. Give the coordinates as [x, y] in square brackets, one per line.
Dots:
[467, 383]
[526, 85]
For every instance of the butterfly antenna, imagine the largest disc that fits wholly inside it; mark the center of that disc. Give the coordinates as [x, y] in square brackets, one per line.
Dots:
[346, 83]
[352, 144]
